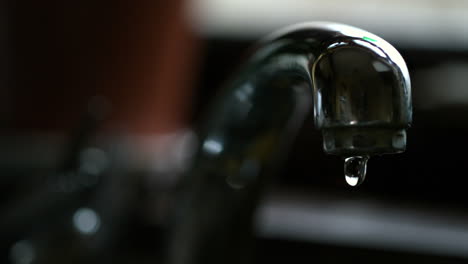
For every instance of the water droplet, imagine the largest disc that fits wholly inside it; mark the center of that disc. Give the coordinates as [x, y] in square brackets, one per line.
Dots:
[355, 169]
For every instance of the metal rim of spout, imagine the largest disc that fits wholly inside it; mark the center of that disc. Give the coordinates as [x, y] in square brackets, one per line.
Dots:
[346, 134]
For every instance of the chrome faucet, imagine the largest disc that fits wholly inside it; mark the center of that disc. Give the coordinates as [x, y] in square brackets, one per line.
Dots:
[358, 86]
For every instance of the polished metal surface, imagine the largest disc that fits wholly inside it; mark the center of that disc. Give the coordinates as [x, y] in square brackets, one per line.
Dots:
[355, 83]
[358, 83]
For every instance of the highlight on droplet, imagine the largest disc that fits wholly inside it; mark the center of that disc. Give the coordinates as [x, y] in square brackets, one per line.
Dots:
[355, 169]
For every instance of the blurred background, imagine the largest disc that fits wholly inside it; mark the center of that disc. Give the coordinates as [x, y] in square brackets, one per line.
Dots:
[99, 100]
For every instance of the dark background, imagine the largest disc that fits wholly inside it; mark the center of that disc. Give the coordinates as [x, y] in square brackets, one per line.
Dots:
[159, 75]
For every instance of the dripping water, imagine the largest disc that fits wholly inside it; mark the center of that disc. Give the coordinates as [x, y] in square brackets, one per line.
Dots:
[355, 169]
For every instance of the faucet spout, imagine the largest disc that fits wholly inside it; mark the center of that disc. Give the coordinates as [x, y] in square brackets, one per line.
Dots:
[357, 83]
[358, 87]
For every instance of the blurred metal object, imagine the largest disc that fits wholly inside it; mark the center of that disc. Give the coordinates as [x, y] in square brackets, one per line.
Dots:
[76, 173]
[356, 83]
[139, 58]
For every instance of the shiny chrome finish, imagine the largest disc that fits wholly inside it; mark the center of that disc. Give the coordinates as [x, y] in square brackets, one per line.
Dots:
[358, 82]
[358, 86]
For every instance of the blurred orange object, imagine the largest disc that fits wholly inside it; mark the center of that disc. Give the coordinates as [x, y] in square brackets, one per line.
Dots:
[139, 55]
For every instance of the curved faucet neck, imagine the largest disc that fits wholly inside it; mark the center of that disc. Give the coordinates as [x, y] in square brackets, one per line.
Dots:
[359, 87]
[358, 83]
